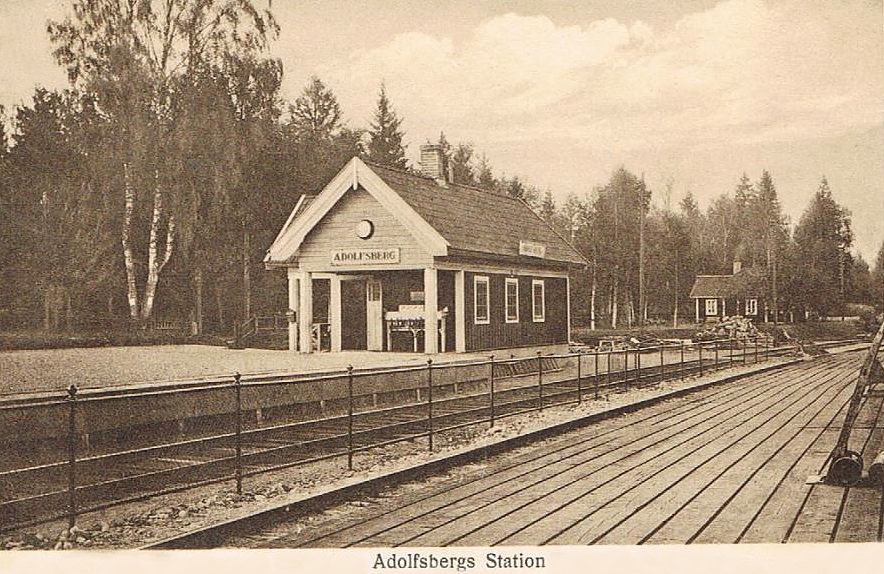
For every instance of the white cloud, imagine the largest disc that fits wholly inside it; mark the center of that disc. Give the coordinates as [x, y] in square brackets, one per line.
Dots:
[744, 68]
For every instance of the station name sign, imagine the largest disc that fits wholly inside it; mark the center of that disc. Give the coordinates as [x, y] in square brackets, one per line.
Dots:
[365, 256]
[531, 249]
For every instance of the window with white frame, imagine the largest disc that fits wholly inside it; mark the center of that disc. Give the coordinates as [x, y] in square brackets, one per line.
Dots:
[752, 306]
[481, 300]
[538, 301]
[711, 307]
[512, 300]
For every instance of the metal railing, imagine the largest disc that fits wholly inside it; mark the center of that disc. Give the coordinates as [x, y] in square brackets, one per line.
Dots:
[432, 400]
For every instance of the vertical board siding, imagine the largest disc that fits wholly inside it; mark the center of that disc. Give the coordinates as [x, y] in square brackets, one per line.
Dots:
[499, 334]
[337, 231]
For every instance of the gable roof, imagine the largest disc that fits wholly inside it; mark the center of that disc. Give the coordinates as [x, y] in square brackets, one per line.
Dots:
[748, 282]
[444, 219]
[476, 220]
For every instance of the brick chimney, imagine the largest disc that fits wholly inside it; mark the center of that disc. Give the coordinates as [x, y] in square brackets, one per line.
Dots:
[433, 164]
[738, 265]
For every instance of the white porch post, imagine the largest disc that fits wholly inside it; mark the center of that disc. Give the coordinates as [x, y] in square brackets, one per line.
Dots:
[305, 312]
[431, 311]
[697, 302]
[724, 307]
[460, 313]
[334, 314]
[568, 305]
[293, 306]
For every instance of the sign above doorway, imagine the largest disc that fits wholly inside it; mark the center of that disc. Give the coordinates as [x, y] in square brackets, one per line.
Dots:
[365, 256]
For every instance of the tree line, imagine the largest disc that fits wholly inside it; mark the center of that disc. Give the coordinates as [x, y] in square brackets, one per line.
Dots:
[644, 257]
[152, 185]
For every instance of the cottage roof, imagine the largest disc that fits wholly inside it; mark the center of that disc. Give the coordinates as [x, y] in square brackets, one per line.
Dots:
[751, 282]
[448, 219]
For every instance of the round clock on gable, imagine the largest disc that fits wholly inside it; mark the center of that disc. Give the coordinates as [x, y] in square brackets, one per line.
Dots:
[364, 229]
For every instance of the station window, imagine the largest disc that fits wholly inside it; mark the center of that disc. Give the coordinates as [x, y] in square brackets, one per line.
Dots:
[480, 300]
[711, 307]
[512, 300]
[752, 306]
[538, 301]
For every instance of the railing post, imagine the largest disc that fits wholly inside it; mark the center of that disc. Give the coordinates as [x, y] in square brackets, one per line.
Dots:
[595, 380]
[237, 385]
[743, 349]
[350, 417]
[662, 364]
[730, 352]
[579, 379]
[72, 455]
[539, 381]
[608, 372]
[756, 348]
[700, 348]
[491, 385]
[681, 363]
[638, 366]
[716, 353]
[430, 401]
[766, 349]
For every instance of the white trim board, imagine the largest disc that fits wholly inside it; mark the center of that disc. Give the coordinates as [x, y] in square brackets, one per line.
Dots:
[356, 173]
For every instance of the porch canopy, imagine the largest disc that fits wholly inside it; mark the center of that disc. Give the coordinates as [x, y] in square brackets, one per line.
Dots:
[381, 256]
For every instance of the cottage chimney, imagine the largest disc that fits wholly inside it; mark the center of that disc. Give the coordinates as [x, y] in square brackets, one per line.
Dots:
[738, 265]
[433, 162]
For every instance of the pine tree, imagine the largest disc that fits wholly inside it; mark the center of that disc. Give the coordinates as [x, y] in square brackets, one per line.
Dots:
[823, 239]
[485, 177]
[878, 278]
[461, 162]
[316, 114]
[386, 146]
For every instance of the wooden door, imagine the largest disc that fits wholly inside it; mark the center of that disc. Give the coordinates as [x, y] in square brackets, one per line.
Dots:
[353, 315]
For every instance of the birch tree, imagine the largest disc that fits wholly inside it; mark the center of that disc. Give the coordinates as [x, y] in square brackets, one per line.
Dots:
[139, 58]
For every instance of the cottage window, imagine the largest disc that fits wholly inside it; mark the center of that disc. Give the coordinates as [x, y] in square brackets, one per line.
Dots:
[538, 299]
[512, 300]
[711, 307]
[752, 306]
[481, 300]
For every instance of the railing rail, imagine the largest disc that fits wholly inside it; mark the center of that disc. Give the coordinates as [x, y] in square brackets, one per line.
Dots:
[39, 493]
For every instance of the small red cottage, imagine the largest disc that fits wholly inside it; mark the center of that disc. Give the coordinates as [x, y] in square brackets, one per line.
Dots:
[742, 293]
[380, 256]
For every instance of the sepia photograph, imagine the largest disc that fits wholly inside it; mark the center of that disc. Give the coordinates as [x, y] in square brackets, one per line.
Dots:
[441, 285]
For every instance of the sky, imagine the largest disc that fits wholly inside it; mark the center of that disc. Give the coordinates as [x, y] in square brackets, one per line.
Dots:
[691, 93]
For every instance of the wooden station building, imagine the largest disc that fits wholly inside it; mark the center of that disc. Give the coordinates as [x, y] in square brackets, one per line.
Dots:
[741, 293]
[381, 253]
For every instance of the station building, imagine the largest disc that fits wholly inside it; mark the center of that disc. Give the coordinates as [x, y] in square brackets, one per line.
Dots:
[382, 257]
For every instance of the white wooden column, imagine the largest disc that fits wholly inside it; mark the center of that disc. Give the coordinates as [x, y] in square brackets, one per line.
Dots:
[294, 305]
[334, 313]
[305, 312]
[567, 304]
[460, 312]
[431, 311]
[697, 301]
[724, 308]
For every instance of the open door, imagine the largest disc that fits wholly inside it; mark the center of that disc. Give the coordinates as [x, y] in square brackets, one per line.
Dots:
[353, 314]
[374, 311]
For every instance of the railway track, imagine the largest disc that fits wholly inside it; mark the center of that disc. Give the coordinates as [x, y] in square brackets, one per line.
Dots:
[723, 466]
[35, 494]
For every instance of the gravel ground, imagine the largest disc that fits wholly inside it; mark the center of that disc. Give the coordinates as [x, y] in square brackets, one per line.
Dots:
[133, 525]
[54, 369]
[38, 371]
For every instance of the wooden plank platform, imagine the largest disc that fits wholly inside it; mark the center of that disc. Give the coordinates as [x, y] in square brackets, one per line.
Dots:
[725, 465]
